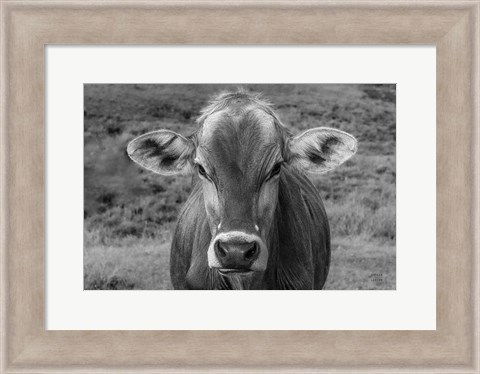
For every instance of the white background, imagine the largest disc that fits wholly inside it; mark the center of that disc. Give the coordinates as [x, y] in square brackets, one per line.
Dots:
[411, 306]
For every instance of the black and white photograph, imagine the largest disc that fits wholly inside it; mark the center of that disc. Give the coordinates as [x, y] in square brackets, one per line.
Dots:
[239, 187]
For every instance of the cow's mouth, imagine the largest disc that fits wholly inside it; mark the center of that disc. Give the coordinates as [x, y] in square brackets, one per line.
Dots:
[234, 271]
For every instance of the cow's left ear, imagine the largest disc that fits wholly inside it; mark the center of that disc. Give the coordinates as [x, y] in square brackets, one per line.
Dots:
[321, 149]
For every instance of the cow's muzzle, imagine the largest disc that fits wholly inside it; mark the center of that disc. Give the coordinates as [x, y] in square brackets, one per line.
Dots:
[236, 252]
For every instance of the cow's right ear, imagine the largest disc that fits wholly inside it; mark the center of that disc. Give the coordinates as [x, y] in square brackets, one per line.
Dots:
[164, 152]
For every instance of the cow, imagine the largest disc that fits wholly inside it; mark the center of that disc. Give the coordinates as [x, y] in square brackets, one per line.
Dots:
[253, 219]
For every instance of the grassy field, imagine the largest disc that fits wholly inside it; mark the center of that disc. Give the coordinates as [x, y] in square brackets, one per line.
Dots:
[129, 213]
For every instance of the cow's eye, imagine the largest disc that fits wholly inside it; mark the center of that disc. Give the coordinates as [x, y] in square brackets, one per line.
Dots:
[276, 170]
[201, 171]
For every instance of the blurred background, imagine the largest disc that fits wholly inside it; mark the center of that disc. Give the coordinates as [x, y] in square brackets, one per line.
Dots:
[130, 213]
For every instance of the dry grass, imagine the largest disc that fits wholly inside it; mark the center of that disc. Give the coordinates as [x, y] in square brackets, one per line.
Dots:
[143, 265]
[140, 265]
[362, 266]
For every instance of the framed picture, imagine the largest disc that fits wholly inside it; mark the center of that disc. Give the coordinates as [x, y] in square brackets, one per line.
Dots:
[239, 187]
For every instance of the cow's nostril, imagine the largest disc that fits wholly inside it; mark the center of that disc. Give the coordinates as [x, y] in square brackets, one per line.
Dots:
[220, 251]
[251, 252]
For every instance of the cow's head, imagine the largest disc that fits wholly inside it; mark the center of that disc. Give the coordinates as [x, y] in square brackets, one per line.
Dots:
[239, 152]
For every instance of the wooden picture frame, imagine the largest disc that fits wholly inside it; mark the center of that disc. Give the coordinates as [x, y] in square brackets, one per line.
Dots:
[27, 26]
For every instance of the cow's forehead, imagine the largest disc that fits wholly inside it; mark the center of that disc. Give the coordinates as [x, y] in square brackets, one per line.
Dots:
[242, 141]
[237, 119]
